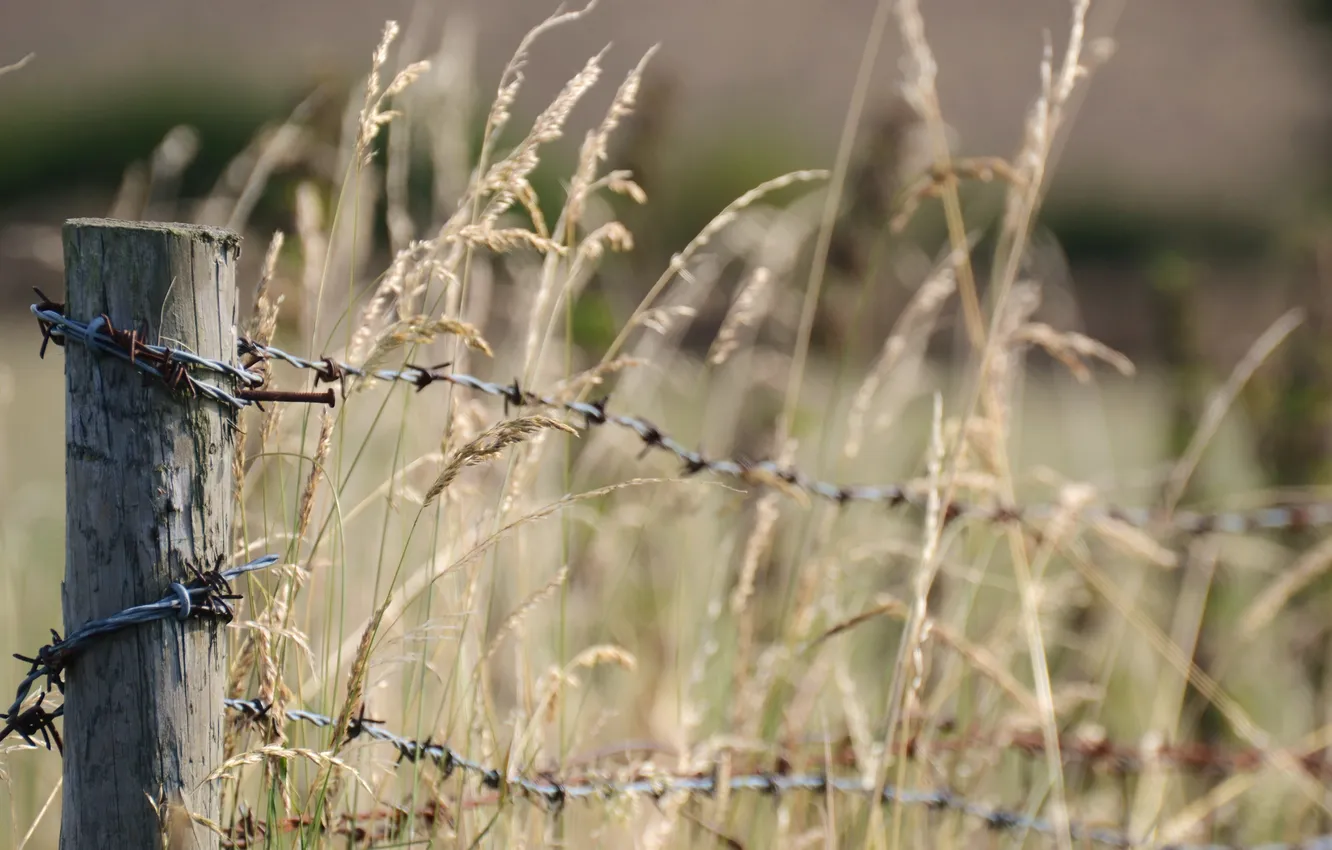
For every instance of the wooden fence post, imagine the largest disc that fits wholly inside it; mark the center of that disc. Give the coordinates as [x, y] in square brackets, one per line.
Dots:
[149, 493]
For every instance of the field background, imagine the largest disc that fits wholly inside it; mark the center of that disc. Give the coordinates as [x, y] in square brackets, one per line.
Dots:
[1189, 207]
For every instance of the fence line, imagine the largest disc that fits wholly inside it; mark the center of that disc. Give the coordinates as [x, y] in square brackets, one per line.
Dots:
[393, 822]
[1103, 754]
[1094, 752]
[554, 793]
[172, 366]
[208, 592]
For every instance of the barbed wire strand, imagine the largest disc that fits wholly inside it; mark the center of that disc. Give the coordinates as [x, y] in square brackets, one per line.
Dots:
[392, 823]
[206, 594]
[1092, 751]
[554, 793]
[768, 472]
[158, 361]
[98, 334]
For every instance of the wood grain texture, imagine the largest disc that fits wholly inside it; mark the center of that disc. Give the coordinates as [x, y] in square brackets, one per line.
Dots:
[149, 484]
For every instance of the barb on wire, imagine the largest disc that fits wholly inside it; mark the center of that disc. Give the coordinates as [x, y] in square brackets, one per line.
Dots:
[169, 365]
[32, 721]
[173, 367]
[767, 472]
[389, 823]
[1099, 753]
[554, 793]
[1096, 753]
[206, 594]
[446, 759]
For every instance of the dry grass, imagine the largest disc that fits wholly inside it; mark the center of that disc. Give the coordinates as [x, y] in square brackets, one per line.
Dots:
[479, 577]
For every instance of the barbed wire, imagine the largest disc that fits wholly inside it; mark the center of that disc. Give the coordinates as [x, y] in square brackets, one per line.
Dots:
[1091, 750]
[554, 793]
[770, 473]
[1099, 753]
[389, 824]
[169, 365]
[206, 594]
[172, 367]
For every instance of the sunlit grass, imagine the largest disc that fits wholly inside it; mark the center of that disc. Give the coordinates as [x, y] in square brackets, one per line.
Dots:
[533, 590]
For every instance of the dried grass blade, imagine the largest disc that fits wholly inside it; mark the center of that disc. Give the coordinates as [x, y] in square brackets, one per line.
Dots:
[488, 445]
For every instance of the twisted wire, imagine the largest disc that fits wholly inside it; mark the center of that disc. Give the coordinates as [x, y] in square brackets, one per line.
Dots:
[393, 821]
[1100, 753]
[97, 334]
[554, 793]
[1093, 752]
[768, 472]
[150, 359]
[205, 595]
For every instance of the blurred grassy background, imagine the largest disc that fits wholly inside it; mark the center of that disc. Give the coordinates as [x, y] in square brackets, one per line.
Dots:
[1192, 206]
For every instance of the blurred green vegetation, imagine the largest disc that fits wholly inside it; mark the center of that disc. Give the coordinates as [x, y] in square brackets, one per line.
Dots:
[1317, 12]
[1112, 232]
[51, 144]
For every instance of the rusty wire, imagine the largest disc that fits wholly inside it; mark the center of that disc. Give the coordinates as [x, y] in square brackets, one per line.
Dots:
[207, 593]
[1091, 751]
[553, 793]
[389, 824]
[1101, 754]
[172, 367]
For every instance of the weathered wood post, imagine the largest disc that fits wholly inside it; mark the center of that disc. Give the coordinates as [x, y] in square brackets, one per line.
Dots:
[148, 472]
